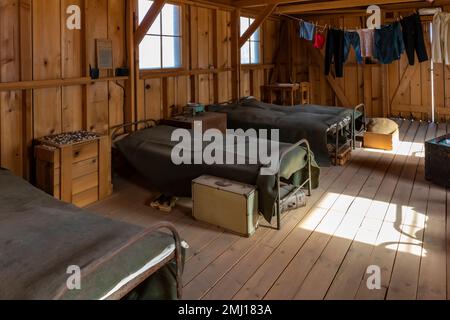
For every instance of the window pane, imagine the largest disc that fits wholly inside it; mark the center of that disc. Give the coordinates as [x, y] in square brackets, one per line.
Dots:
[144, 6]
[255, 52]
[171, 52]
[244, 25]
[150, 53]
[245, 53]
[255, 36]
[171, 20]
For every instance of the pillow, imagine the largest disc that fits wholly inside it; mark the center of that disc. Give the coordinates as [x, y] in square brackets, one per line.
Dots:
[382, 126]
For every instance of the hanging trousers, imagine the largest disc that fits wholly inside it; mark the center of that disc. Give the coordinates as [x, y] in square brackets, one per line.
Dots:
[334, 52]
[413, 39]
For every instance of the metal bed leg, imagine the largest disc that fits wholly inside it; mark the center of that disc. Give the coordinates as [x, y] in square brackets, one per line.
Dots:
[337, 147]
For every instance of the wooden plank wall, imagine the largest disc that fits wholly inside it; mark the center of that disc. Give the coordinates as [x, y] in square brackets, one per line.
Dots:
[37, 45]
[408, 89]
[207, 74]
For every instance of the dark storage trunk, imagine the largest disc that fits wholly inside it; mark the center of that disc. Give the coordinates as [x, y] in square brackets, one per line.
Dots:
[437, 161]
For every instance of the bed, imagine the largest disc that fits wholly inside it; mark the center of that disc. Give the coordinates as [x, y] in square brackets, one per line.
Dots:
[149, 150]
[321, 126]
[42, 239]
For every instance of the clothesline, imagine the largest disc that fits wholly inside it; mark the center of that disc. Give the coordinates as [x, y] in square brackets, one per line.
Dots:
[327, 26]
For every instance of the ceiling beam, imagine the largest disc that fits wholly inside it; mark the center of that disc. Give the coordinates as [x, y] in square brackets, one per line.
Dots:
[148, 21]
[262, 3]
[337, 4]
[257, 23]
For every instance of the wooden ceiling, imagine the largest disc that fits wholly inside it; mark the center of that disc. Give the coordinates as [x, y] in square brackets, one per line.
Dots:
[319, 7]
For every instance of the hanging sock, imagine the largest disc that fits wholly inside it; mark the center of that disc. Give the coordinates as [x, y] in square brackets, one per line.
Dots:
[441, 38]
[366, 37]
[413, 39]
[388, 43]
[307, 30]
[351, 39]
[335, 52]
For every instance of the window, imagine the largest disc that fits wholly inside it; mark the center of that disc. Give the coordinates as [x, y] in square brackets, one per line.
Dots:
[250, 51]
[161, 46]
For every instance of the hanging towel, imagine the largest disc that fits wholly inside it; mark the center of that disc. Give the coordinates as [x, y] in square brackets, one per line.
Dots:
[441, 38]
[307, 30]
[367, 39]
[351, 39]
[389, 44]
[335, 52]
[413, 39]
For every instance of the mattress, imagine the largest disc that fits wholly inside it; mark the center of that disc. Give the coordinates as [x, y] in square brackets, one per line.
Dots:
[150, 152]
[314, 123]
[41, 237]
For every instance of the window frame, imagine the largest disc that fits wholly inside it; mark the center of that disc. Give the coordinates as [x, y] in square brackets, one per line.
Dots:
[148, 72]
[250, 41]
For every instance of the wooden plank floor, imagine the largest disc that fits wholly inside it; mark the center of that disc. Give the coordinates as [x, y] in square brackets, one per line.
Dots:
[376, 211]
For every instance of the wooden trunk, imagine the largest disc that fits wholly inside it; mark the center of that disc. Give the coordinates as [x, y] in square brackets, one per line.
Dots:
[75, 173]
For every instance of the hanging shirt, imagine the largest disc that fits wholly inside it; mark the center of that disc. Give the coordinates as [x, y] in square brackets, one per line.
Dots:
[388, 44]
[441, 43]
[319, 40]
[307, 30]
[367, 39]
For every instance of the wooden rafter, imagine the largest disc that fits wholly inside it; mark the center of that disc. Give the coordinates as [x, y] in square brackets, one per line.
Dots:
[257, 23]
[338, 4]
[148, 21]
[261, 3]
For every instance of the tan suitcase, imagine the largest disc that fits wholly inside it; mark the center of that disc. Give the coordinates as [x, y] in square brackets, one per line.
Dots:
[227, 204]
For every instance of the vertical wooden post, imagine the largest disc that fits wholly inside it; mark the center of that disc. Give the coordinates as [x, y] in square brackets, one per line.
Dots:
[26, 73]
[236, 53]
[130, 112]
[216, 44]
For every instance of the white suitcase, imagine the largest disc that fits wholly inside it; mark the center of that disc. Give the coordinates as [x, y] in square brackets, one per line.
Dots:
[227, 204]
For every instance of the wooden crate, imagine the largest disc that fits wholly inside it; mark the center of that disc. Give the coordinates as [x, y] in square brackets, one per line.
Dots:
[75, 173]
[344, 156]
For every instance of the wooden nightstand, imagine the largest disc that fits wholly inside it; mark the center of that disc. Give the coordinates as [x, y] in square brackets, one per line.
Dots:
[210, 120]
[74, 171]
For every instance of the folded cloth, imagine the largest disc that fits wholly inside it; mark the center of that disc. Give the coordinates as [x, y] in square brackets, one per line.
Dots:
[382, 126]
[307, 30]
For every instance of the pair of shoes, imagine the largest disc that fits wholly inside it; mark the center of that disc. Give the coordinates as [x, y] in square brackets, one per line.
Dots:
[164, 203]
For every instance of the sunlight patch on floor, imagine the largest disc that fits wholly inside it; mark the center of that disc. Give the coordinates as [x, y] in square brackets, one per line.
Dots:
[402, 226]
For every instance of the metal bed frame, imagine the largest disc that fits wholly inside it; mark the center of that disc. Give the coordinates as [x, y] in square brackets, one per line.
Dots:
[340, 127]
[149, 123]
[176, 256]
[308, 182]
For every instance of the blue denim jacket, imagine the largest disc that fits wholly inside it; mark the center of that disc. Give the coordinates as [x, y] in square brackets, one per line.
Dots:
[389, 43]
